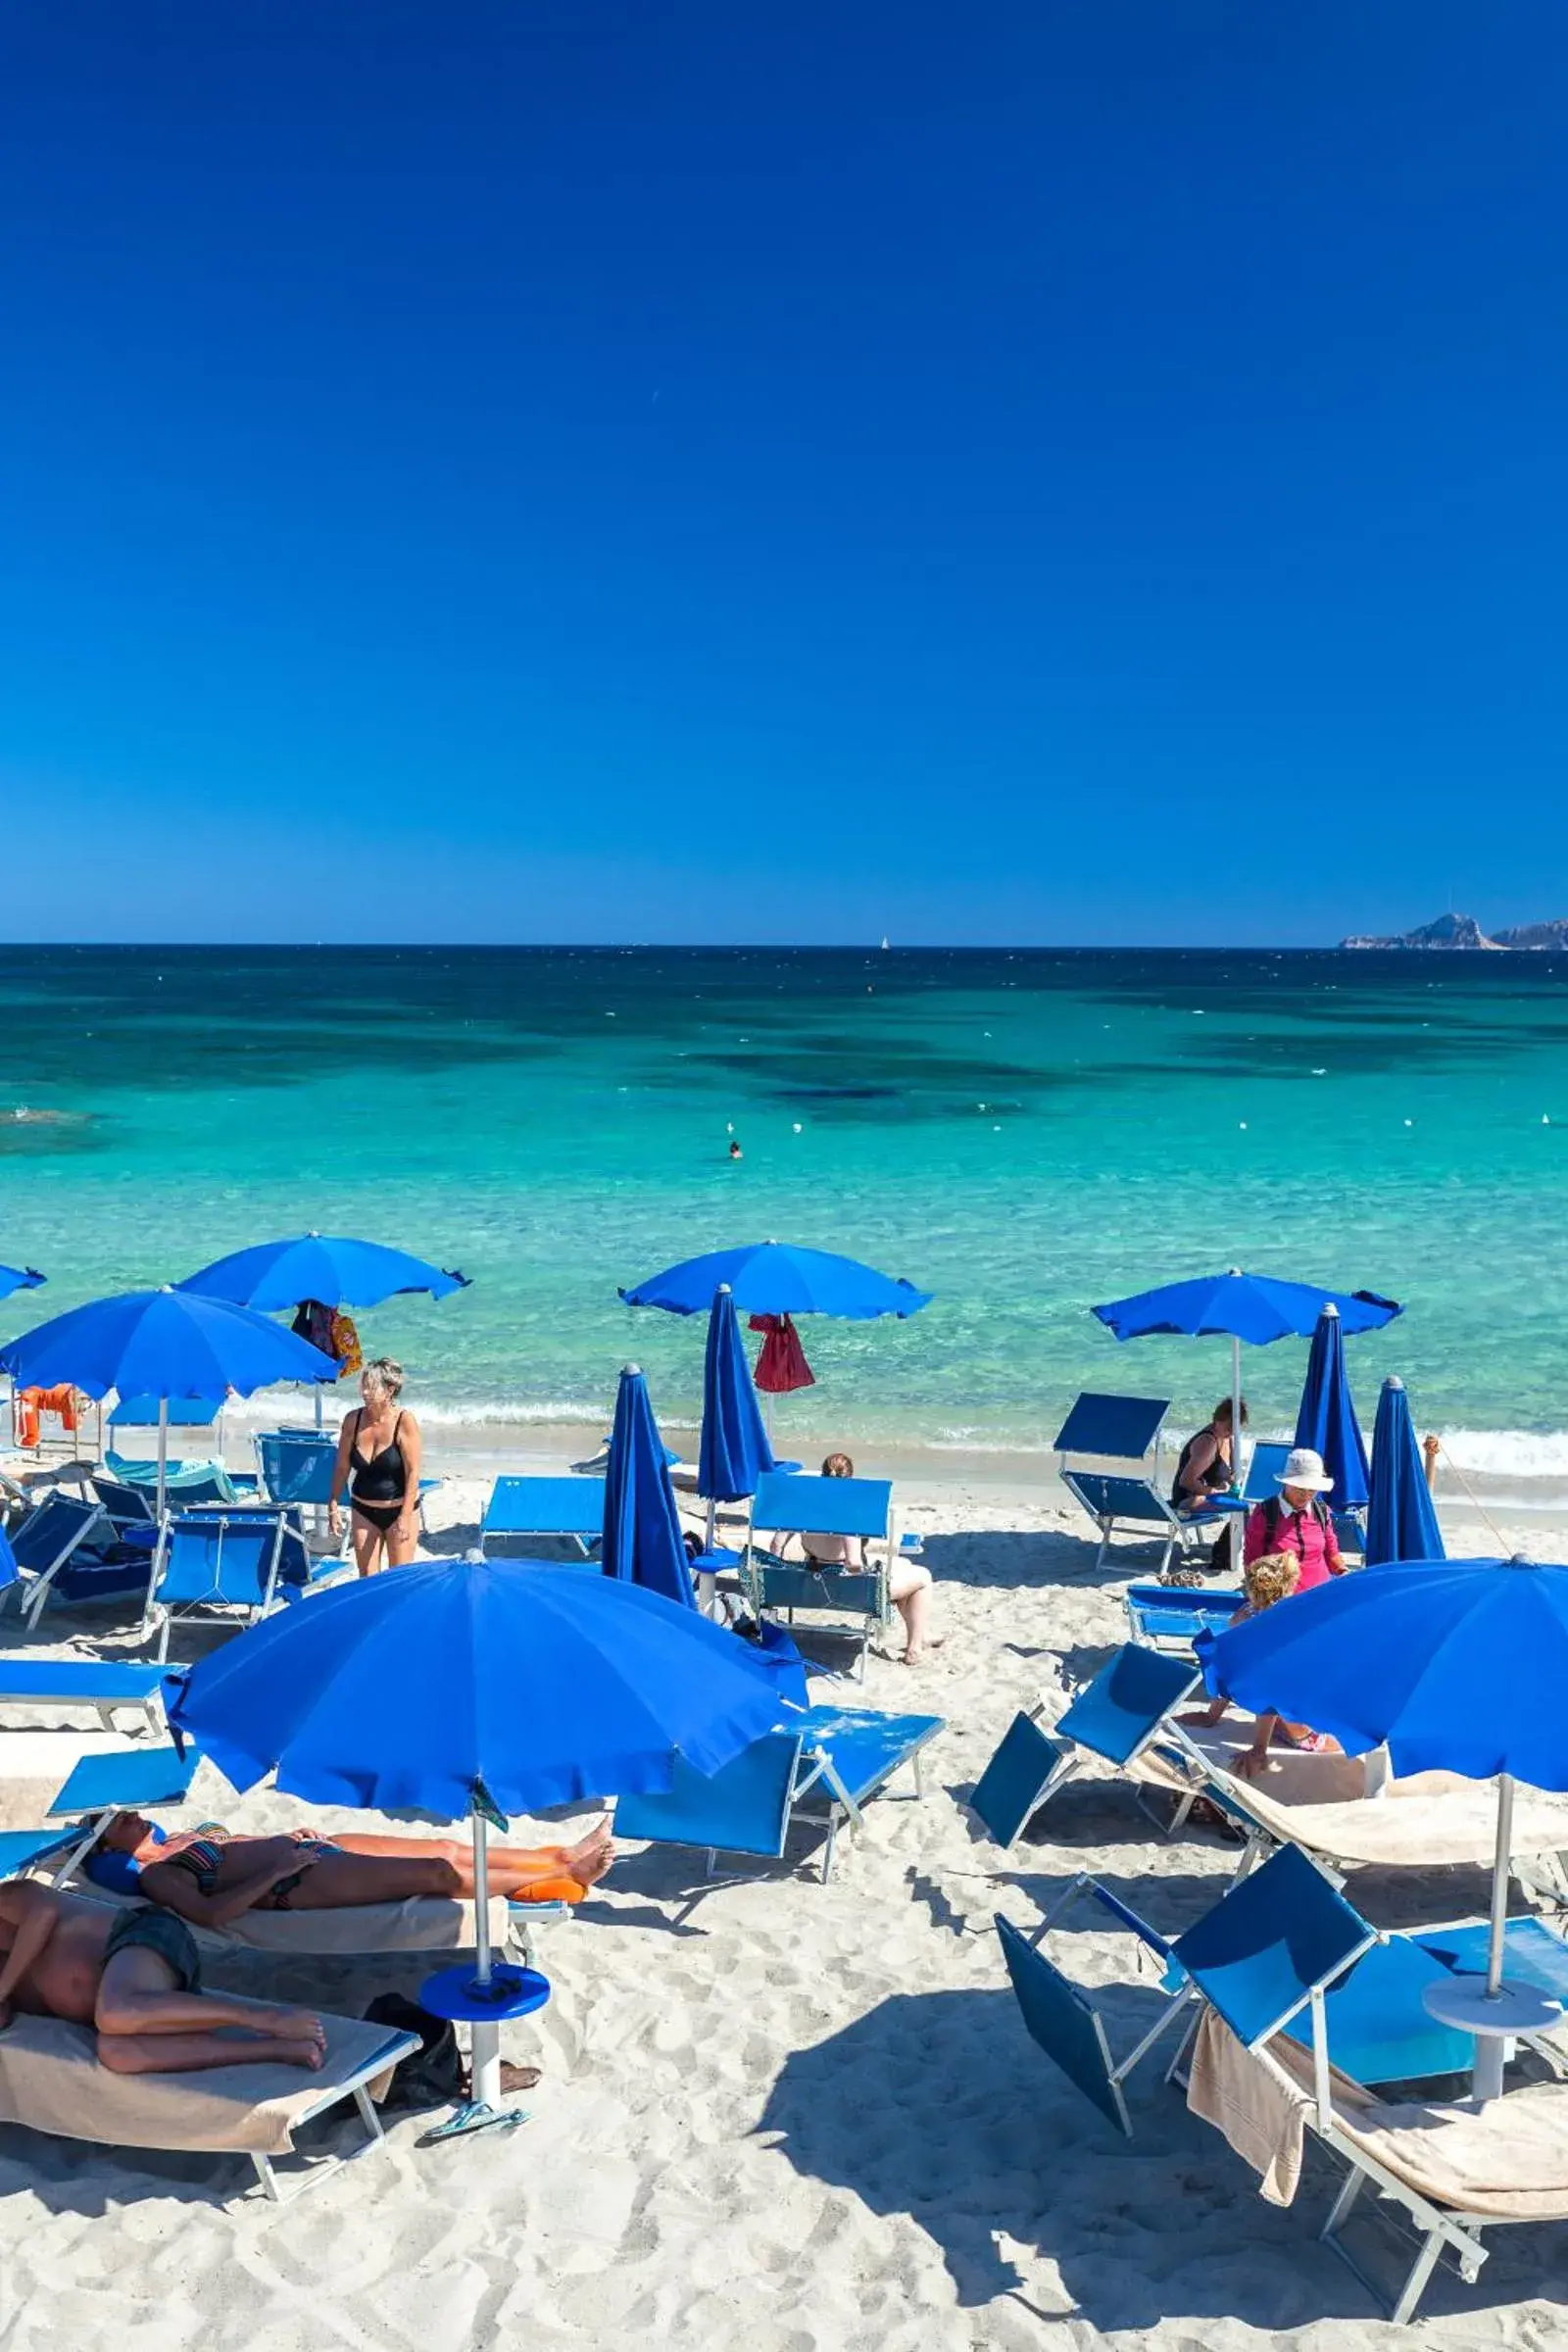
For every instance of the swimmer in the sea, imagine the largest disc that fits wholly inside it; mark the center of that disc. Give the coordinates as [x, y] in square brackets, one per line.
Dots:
[735, 1151]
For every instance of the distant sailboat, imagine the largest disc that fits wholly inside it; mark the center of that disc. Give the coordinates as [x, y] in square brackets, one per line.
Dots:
[884, 941]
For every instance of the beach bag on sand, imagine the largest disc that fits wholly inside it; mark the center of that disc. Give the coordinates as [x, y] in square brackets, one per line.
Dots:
[433, 2075]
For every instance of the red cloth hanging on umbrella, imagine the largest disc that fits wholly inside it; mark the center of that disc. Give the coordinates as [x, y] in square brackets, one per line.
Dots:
[781, 1363]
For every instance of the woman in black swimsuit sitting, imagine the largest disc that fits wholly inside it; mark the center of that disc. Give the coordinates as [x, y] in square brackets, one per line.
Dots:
[378, 1461]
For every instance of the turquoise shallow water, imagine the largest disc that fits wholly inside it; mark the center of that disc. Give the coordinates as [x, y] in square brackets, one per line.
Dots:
[1022, 1134]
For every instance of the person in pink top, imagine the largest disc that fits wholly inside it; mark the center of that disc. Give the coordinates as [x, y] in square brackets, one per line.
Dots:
[1298, 1520]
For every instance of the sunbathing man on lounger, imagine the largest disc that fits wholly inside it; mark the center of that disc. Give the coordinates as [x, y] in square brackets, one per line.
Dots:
[210, 1876]
[135, 1977]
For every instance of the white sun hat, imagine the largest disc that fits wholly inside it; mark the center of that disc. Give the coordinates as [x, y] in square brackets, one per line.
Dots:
[1304, 1468]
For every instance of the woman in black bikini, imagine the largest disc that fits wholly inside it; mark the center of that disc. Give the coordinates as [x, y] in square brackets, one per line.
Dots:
[378, 1461]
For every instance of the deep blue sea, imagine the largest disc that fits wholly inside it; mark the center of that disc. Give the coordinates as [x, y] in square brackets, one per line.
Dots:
[1022, 1133]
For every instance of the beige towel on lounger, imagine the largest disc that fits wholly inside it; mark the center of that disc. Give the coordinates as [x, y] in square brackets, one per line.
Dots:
[50, 2079]
[425, 1923]
[1507, 2161]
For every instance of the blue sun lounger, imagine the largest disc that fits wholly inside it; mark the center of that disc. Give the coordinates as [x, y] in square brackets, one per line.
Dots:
[859, 1508]
[220, 1560]
[20, 1849]
[106, 1684]
[1172, 1616]
[97, 1787]
[824, 1764]
[1269, 1958]
[1115, 1717]
[73, 1551]
[1110, 1465]
[571, 1509]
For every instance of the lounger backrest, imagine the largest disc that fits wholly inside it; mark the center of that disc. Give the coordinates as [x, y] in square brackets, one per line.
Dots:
[545, 1506]
[1014, 1782]
[9, 1573]
[138, 1778]
[1263, 1472]
[221, 1558]
[141, 1412]
[745, 1809]
[20, 1849]
[296, 1467]
[787, 1503]
[54, 1528]
[122, 1501]
[1064, 2024]
[1118, 1713]
[1117, 1428]
[1275, 1937]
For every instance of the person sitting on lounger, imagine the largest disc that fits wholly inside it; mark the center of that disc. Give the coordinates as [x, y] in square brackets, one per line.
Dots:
[211, 1876]
[135, 1977]
[909, 1581]
[1266, 1581]
[1208, 1467]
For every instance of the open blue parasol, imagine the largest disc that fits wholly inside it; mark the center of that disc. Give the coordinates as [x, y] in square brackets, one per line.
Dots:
[172, 1345]
[475, 1689]
[273, 1276]
[1458, 1665]
[1256, 1308]
[773, 1278]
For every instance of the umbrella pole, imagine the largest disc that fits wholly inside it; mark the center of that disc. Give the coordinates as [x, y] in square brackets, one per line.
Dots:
[1501, 1872]
[706, 1579]
[162, 1452]
[1236, 1413]
[485, 2088]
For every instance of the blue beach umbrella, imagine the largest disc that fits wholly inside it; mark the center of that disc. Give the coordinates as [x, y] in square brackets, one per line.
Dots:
[643, 1541]
[18, 1278]
[1238, 1307]
[1326, 1419]
[734, 1452]
[474, 1688]
[165, 1344]
[1459, 1665]
[273, 1276]
[1401, 1522]
[773, 1278]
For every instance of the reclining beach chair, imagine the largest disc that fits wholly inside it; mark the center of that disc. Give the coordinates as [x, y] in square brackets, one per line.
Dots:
[1116, 1718]
[570, 1510]
[1172, 1616]
[106, 1686]
[51, 2080]
[788, 1505]
[1118, 1481]
[1272, 1958]
[824, 1766]
[69, 1550]
[149, 1780]
[215, 1562]
[1453, 2170]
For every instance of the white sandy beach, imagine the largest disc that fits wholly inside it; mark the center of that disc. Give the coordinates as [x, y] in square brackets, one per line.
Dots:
[807, 2120]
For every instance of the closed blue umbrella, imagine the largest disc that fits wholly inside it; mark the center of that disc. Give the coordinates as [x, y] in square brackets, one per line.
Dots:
[1326, 1421]
[1459, 1665]
[642, 1541]
[272, 1276]
[773, 1278]
[1402, 1521]
[474, 1688]
[1255, 1307]
[734, 1452]
[18, 1278]
[172, 1345]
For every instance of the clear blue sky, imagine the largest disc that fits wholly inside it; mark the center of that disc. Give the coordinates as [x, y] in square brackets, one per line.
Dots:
[718, 469]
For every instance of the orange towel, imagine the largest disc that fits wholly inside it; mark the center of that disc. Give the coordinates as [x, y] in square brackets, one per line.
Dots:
[28, 1404]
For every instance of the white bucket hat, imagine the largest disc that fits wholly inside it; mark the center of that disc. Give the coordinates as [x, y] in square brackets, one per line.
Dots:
[1304, 1468]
